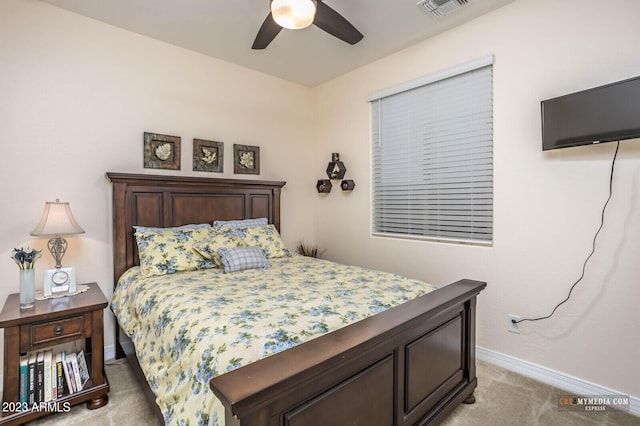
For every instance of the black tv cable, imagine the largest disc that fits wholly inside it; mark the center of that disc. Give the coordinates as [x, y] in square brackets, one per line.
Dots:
[593, 246]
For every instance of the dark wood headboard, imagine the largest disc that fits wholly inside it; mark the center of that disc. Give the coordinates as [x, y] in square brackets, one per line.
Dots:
[163, 201]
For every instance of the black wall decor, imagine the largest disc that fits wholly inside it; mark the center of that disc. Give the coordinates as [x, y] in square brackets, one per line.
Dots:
[323, 186]
[347, 185]
[335, 170]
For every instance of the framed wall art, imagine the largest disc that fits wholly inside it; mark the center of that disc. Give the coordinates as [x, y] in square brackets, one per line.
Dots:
[246, 159]
[161, 151]
[208, 156]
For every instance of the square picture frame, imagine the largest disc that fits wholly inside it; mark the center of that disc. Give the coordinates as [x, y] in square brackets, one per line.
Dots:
[161, 151]
[208, 156]
[246, 159]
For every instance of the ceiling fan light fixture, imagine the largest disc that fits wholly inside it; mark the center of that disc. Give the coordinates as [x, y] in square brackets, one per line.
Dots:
[293, 14]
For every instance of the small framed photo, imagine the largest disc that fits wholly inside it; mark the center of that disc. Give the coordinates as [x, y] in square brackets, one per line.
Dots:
[208, 156]
[246, 159]
[161, 151]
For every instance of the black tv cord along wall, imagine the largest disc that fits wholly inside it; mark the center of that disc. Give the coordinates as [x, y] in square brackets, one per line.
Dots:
[593, 246]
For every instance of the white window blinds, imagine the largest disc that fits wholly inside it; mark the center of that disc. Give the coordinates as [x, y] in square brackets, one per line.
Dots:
[432, 159]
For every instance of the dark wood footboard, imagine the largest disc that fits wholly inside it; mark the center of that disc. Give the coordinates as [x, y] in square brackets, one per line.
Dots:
[412, 364]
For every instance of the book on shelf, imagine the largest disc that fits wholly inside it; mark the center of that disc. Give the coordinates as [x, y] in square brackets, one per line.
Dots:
[40, 378]
[60, 383]
[52, 375]
[48, 358]
[84, 370]
[68, 373]
[24, 378]
[31, 370]
[73, 359]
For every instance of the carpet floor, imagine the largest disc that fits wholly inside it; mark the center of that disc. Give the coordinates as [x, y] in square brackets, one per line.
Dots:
[502, 398]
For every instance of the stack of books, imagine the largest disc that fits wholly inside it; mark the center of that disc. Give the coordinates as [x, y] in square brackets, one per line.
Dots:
[45, 376]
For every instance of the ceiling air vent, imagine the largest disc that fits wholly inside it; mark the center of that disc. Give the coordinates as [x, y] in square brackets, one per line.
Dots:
[441, 7]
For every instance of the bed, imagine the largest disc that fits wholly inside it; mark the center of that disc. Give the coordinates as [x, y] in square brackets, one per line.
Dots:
[411, 364]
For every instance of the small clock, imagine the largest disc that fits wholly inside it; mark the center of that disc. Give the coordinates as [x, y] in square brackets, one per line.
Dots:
[59, 281]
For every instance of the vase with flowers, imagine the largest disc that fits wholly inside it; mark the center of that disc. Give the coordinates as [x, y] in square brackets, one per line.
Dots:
[26, 259]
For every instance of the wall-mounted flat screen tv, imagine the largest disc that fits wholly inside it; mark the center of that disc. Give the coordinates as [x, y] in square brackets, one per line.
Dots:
[602, 114]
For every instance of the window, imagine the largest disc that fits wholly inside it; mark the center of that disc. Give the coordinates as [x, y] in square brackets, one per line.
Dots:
[432, 157]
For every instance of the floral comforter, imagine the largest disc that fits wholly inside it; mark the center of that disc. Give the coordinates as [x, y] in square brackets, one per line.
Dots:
[191, 326]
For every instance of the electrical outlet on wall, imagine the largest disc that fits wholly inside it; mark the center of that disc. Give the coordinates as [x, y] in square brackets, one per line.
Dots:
[511, 326]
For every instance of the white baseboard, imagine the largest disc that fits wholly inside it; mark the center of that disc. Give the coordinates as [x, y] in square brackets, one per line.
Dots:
[109, 352]
[551, 377]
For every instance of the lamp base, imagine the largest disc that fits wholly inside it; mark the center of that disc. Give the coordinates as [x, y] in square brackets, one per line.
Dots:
[59, 281]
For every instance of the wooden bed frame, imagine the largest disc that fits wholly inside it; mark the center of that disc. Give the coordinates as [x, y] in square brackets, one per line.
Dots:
[412, 364]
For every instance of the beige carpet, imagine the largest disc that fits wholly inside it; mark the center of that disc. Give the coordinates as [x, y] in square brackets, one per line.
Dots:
[502, 398]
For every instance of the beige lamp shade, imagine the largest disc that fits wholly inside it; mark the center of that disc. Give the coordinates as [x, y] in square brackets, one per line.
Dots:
[57, 219]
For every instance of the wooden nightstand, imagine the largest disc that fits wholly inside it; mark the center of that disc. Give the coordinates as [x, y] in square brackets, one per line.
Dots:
[52, 322]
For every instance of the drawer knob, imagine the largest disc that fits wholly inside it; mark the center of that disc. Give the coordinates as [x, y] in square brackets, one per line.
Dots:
[58, 330]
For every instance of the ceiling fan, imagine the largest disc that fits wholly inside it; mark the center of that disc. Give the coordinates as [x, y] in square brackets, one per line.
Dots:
[298, 14]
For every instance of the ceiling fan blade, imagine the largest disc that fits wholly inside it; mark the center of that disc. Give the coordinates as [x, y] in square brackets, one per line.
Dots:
[267, 32]
[335, 24]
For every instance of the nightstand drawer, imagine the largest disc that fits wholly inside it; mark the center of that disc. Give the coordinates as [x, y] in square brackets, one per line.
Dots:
[46, 332]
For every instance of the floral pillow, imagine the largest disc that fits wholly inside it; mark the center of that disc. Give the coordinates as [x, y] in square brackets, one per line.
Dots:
[267, 238]
[168, 251]
[224, 238]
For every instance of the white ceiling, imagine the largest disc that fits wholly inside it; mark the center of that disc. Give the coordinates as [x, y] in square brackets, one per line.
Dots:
[225, 29]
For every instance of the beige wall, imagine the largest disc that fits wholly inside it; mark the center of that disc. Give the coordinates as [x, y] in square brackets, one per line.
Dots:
[75, 98]
[547, 205]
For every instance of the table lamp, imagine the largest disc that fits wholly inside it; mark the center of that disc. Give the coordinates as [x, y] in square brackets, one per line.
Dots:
[57, 220]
